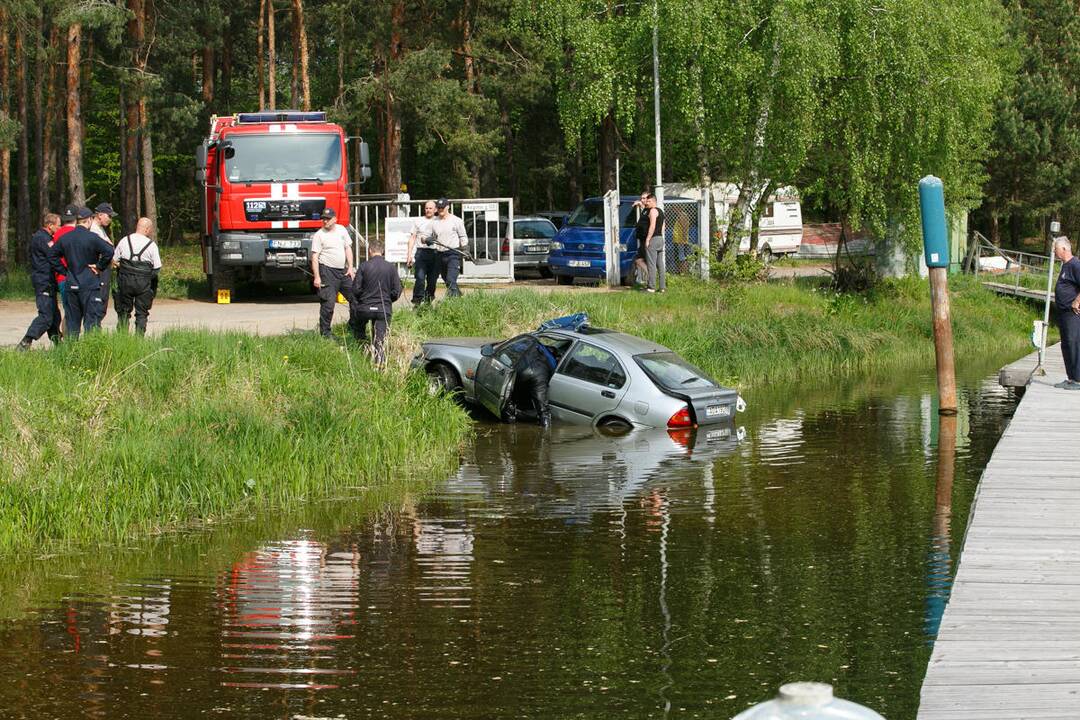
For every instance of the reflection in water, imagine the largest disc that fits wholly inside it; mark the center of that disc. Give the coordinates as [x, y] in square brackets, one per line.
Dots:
[558, 574]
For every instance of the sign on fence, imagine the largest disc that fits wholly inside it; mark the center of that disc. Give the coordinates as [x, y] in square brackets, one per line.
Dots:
[490, 210]
[396, 232]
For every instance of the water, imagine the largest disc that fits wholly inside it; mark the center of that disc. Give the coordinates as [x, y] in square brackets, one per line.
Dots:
[562, 575]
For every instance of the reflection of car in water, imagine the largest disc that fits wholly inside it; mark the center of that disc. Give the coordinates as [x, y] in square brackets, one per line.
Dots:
[573, 471]
[601, 377]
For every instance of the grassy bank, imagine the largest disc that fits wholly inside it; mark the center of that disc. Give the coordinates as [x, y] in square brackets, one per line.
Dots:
[751, 335]
[115, 437]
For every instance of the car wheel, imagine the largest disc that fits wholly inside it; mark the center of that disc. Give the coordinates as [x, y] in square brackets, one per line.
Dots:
[443, 378]
[614, 426]
[564, 279]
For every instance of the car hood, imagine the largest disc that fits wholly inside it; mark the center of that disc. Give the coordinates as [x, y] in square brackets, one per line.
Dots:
[462, 342]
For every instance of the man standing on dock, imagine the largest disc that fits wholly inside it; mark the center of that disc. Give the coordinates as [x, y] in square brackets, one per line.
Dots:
[1067, 299]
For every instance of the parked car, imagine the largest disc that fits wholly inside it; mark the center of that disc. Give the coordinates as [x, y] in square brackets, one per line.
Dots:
[578, 249]
[532, 241]
[602, 377]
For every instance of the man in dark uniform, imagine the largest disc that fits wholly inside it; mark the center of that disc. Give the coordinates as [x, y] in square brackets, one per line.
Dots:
[533, 372]
[44, 284]
[87, 255]
[375, 288]
[1067, 300]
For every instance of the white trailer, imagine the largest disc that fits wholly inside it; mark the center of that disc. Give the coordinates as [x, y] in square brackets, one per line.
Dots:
[780, 226]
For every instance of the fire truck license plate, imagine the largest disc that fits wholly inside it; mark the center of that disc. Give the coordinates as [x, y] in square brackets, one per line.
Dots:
[284, 244]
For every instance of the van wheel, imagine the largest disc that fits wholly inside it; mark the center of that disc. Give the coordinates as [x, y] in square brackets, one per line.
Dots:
[442, 378]
[564, 279]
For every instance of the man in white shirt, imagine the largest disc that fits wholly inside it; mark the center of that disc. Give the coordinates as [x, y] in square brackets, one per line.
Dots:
[421, 256]
[450, 241]
[138, 264]
[331, 265]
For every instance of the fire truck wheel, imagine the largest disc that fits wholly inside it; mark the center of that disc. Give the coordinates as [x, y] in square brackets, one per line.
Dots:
[219, 281]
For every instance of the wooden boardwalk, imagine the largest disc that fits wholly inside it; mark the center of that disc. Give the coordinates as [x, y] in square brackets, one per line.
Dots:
[1009, 641]
[1016, 291]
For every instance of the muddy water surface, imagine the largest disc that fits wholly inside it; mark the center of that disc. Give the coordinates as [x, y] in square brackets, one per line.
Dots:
[561, 574]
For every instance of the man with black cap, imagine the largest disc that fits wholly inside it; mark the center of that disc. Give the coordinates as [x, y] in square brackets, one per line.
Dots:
[87, 255]
[331, 266]
[44, 283]
[103, 215]
[450, 239]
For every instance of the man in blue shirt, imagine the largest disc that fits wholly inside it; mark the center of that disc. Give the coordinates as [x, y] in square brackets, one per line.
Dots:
[87, 256]
[44, 283]
[1067, 300]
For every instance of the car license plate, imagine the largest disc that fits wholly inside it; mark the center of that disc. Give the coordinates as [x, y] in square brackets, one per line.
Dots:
[718, 434]
[535, 249]
[285, 244]
[717, 411]
[579, 263]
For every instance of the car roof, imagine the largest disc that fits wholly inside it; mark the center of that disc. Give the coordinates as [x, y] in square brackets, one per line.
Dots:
[612, 340]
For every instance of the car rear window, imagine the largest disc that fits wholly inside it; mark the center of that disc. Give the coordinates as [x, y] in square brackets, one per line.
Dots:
[671, 372]
[533, 230]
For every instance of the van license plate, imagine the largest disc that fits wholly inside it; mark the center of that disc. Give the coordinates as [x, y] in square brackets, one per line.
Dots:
[717, 411]
[579, 263]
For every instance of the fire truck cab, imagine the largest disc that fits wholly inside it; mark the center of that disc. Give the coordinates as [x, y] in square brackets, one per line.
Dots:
[266, 178]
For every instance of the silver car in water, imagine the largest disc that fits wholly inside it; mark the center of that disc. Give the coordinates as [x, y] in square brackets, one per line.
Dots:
[602, 377]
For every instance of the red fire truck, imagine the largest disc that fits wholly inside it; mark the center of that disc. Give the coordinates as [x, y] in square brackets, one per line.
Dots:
[266, 178]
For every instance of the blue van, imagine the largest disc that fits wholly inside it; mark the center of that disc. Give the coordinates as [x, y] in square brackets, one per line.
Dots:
[578, 248]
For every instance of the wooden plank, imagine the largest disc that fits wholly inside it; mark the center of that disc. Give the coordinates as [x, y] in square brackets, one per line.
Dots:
[1008, 644]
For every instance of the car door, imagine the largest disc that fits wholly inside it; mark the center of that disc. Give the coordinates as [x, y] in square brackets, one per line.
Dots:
[495, 374]
[589, 382]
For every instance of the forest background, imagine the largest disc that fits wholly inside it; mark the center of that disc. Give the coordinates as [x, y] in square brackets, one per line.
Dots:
[851, 101]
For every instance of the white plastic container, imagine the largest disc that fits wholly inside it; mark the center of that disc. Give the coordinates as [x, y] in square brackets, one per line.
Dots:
[807, 701]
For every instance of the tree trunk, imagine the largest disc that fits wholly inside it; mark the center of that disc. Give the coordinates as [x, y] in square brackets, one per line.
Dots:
[22, 102]
[208, 58]
[302, 43]
[340, 60]
[511, 166]
[131, 93]
[49, 123]
[225, 86]
[260, 65]
[609, 151]
[271, 62]
[390, 142]
[755, 222]
[39, 126]
[5, 151]
[472, 169]
[150, 195]
[294, 70]
[74, 117]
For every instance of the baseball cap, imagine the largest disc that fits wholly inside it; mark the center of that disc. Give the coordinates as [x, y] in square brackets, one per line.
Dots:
[107, 209]
[441, 203]
[84, 213]
[328, 213]
[68, 213]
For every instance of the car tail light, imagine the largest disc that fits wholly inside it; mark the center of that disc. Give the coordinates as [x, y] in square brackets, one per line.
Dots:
[505, 246]
[681, 419]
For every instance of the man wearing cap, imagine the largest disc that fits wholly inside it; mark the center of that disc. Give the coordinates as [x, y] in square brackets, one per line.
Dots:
[331, 266]
[450, 239]
[422, 258]
[44, 284]
[87, 255]
[103, 215]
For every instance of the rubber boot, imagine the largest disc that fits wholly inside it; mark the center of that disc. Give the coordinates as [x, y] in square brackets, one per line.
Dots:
[24, 344]
[545, 419]
[510, 413]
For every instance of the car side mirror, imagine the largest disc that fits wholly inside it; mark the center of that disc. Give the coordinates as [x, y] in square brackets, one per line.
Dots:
[487, 350]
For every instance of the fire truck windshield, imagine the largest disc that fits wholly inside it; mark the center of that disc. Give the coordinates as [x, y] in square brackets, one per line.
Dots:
[284, 157]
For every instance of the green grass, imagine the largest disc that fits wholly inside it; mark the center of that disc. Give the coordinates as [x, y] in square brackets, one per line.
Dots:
[752, 335]
[115, 437]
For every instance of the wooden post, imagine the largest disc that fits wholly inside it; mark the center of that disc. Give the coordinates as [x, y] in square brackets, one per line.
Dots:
[936, 250]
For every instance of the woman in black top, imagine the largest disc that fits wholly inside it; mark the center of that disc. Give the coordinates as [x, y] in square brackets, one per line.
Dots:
[650, 238]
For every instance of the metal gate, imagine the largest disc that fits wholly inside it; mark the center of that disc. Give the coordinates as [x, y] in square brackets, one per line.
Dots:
[489, 225]
[686, 237]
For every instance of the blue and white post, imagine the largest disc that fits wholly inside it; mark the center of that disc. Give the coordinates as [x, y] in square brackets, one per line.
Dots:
[936, 251]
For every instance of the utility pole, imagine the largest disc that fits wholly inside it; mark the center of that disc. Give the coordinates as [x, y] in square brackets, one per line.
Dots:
[661, 259]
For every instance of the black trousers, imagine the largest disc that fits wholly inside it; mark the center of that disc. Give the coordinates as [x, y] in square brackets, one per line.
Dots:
[533, 379]
[106, 289]
[48, 315]
[1069, 327]
[334, 280]
[451, 268]
[380, 323]
[426, 272]
[139, 302]
[84, 308]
